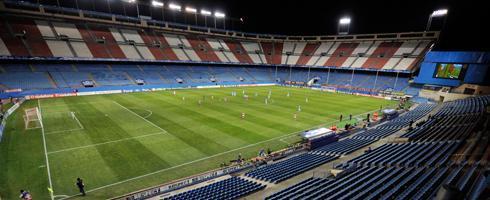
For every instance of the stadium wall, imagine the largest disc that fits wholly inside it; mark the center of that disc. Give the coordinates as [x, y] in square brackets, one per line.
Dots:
[476, 72]
[145, 39]
[11, 110]
[440, 96]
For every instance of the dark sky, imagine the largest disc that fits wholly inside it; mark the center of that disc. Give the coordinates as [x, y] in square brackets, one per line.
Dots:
[464, 28]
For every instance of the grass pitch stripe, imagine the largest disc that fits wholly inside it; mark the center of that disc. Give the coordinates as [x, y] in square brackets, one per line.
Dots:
[208, 157]
[153, 124]
[102, 143]
[45, 150]
[184, 164]
[64, 131]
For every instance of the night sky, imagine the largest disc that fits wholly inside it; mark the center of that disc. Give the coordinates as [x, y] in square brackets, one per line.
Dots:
[464, 28]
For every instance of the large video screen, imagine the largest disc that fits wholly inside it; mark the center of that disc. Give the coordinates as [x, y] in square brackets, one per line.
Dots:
[449, 70]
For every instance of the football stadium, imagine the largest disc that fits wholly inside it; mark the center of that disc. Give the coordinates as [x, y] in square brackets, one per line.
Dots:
[157, 99]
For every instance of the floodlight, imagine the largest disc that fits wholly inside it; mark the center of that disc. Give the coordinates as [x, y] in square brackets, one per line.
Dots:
[440, 12]
[219, 14]
[190, 10]
[156, 3]
[174, 7]
[205, 12]
[129, 1]
[344, 20]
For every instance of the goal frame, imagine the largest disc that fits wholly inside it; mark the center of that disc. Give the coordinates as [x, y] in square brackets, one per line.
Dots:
[32, 115]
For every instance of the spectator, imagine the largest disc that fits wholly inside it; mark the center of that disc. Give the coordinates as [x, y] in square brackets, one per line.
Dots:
[239, 160]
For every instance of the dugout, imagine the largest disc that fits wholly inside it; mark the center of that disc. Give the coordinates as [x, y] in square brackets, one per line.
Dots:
[319, 137]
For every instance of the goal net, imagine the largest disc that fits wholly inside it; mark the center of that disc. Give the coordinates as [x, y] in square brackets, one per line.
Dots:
[32, 118]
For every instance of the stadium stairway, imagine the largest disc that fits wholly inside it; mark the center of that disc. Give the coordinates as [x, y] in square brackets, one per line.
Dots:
[390, 173]
[91, 77]
[124, 74]
[228, 188]
[389, 170]
[345, 156]
[192, 187]
[51, 80]
[129, 78]
[318, 172]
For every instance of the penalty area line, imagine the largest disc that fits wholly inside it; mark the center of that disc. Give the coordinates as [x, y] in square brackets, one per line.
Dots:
[78, 121]
[201, 159]
[151, 123]
[45, 149]
[64, 131]
[183, 164]
[80, 126]
[102, 143]
[150, 113]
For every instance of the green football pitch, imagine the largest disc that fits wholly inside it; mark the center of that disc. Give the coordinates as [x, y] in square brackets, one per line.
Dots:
[120, 143]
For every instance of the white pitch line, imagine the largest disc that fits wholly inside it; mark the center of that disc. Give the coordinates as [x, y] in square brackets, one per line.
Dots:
[76, 119]
[201, 159]
[282, 139]
[151, 113]
[183, 164]
[102, 143]
[165, 131]
[80, 127]
[63, 131]
[47, 113]
[45, 149]
[64, 105]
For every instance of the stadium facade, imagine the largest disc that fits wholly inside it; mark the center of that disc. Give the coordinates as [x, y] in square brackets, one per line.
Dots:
[429, 150]
[109, 50]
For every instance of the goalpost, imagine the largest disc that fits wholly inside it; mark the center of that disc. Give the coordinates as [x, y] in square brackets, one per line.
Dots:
[32, 118]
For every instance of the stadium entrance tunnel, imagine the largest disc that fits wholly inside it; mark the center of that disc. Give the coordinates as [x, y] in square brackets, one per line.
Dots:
[313, 81]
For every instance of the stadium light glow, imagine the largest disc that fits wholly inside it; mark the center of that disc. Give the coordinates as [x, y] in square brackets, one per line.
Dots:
[175, 7]
[156, 4]
[219, 15]
[440, 12]
[205, 12]
[344, 20]
[129, 1]
[190, 10]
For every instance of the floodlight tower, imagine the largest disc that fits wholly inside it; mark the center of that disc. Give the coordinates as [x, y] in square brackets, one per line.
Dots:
[192, 10]
[109, 6]
[344, 26]
[176, 8]
[219, 15]
[131, 2]
[158, 4]
[206, 13]
[436, 13]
